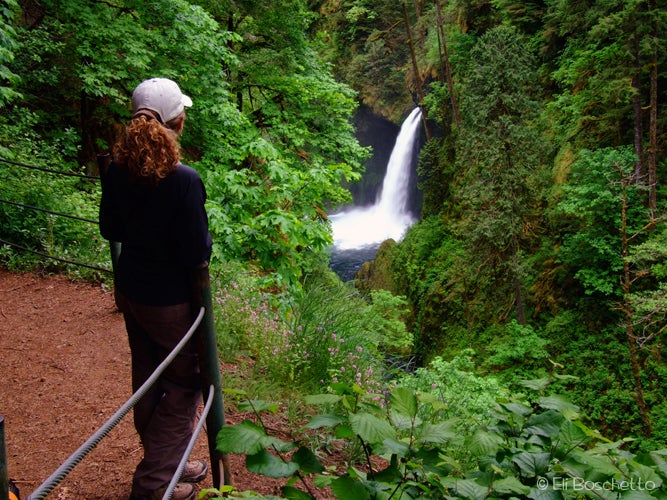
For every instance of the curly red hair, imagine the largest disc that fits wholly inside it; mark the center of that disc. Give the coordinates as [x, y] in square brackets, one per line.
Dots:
[148, 149]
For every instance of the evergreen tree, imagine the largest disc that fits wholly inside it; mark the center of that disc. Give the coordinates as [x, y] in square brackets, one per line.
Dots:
[500, 157]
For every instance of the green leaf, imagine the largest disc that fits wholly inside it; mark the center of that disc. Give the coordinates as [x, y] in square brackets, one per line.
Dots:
[329, 420]
[483, 443]
[656, 458]
[555, 402]
[294, 493]
[346, 488]
[401, 421]
[466, 488]
[268, 465]
[307, 460]
[545, 424]
[581, 463]
[536, 384]
[392, 447]
[571, 434]
[245, 437]
[439, 433]
[344, 432]
[342, 389]
[510, 485]
[517, 408]
[544, 494]
[636, 494]
[277, 444]
[531, 464]
[259, 406]
[371, 429]
[323, 481]
[404, 402]
[322, 399]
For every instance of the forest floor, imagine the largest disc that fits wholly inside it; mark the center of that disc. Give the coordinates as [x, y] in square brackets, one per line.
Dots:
[64, 371]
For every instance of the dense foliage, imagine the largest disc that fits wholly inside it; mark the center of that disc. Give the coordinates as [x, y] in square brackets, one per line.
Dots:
[270, 157]
[408, 448]
[541, 246]
[542, 183]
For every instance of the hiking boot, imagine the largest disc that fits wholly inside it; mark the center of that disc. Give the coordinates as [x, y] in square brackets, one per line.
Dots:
[194, 471]
[182, 491]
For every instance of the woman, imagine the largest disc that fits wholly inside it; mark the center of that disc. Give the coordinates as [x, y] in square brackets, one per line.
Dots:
[154, 206]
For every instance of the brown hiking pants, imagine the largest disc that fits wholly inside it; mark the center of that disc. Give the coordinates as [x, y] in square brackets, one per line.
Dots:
[164, 417]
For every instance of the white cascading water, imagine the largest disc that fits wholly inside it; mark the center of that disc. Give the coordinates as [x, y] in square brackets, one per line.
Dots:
[389, 217]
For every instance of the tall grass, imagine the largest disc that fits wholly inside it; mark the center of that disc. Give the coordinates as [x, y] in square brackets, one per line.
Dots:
[325, 333]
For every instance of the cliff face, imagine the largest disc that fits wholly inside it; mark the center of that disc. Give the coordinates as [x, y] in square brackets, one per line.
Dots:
[375, 131]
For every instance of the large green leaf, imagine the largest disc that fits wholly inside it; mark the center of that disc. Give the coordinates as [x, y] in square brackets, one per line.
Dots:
[268, 465]
[541, 493]
[392, 447]
[402, 422]
[545, 424]
[633, 494]
[531, 464]
[344, 432]
[555, 402]
[293, 493]
[581, 463]
[536, 384]
[517, 408]
[510, 485]
[465, 488]
[259, 406]
[571, 434]
[346, 488]
[439, 433]
[327, 420]
[307, 460]
[482, 442]
[371, 428]
[404, 402]
[245, 437]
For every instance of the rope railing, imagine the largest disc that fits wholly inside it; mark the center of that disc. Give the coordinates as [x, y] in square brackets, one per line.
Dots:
[51, 212]
[61, 214]
[66, 467]
[49, 256]
[47, 170]
[181, 466]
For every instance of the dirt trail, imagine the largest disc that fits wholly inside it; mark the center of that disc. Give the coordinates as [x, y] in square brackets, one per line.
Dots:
[64, 371]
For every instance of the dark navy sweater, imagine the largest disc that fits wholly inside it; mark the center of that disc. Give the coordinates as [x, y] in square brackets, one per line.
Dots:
[163, 230]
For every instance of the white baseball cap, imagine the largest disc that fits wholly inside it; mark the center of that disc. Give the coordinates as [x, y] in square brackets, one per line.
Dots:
[162, 96]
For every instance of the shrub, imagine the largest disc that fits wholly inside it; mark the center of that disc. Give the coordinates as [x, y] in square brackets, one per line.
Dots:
[529, 451]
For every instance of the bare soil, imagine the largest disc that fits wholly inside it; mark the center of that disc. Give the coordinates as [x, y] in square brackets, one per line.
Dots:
[64, 371]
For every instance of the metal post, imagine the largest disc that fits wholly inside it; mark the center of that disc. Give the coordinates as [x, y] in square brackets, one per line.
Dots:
[210, 371]
[103, 162]
[4, 478]
[115, 247]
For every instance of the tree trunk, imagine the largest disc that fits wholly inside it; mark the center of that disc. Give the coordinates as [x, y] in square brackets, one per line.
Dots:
[518, 296]
[653, 136]
[640, 169]
[628, 312]
[415, 69]
[87, 155]
[447, 70]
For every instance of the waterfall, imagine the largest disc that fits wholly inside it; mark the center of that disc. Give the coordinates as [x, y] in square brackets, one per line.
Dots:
[389, 216]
